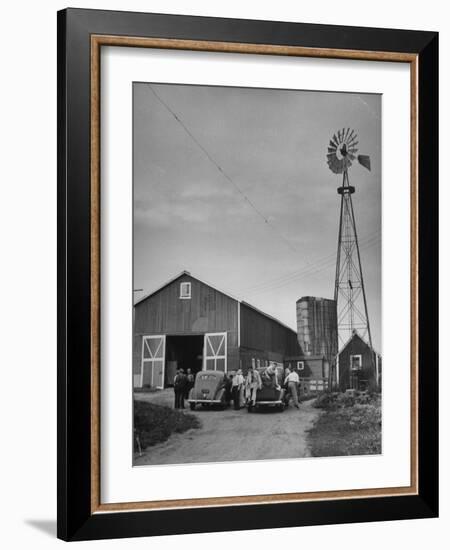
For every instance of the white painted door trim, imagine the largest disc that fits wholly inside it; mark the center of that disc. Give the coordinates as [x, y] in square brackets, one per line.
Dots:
[153, 356]
[215, 356]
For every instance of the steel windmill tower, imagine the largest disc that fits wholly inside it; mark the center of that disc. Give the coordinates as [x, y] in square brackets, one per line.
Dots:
[349, 291]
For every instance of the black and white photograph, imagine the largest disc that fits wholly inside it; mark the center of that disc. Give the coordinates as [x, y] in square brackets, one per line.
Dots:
[257, 274]
[225, 247]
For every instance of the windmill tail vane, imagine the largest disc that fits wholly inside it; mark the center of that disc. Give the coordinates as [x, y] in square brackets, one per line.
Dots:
[342, 150]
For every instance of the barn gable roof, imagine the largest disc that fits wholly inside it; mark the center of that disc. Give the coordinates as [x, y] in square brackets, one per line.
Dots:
[184, 273]
[352, 337]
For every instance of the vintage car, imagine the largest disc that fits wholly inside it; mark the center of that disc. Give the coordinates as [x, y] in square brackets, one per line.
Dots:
[269, 395]
[209, 389]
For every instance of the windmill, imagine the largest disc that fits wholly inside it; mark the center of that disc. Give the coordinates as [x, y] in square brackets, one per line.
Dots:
[349, 291]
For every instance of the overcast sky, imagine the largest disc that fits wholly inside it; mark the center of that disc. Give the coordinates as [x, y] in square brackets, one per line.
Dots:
[237, 191]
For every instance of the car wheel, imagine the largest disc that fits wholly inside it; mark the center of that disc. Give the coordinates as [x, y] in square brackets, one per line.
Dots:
[192, 405]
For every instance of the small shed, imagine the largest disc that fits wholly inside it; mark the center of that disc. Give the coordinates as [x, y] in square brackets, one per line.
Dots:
[358, 365]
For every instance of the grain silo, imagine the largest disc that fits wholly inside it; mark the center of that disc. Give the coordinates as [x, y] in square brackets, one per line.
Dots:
[317, 327]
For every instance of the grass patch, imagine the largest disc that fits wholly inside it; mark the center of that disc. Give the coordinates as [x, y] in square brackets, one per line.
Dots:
[155, 423]
[350, 425]
[146, 389]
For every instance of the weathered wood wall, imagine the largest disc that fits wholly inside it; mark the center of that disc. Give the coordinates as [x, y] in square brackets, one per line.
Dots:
[208, 310]
[314, 367]
[259, 332]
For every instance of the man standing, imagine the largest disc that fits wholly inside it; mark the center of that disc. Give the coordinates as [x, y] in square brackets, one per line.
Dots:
[292, 381]
[236, 385]
[253, 383]
[179, 386]
[190, 381]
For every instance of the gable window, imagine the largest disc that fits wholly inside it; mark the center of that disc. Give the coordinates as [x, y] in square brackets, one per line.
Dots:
[300, 365]
[355, 362]
[185, 291]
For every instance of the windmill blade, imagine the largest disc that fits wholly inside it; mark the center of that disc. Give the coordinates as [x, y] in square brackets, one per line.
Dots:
[364, 160]
[342, 150]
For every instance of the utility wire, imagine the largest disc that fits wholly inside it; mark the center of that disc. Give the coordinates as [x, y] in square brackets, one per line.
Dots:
[221, 170]
[298, 277]
[318, 265]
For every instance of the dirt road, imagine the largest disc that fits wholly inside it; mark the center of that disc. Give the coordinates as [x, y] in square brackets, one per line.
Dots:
[233, 435]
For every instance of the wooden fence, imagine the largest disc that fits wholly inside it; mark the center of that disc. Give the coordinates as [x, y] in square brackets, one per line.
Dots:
[313, 385]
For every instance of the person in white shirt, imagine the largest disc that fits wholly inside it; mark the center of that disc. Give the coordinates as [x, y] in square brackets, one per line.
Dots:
[237, 384]
[253, 383]
[292, 381]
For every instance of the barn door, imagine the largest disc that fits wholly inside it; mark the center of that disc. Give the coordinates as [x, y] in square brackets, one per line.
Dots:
[153, 360]
[215, 351]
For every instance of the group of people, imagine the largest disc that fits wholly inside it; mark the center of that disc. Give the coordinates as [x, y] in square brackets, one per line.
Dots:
[183, 382]
[243, 389]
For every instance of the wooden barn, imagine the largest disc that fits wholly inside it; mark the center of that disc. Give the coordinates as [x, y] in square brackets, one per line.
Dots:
[358, 366]
[190, 324]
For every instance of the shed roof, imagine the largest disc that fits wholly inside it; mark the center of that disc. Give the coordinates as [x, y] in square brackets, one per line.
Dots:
[357, 335]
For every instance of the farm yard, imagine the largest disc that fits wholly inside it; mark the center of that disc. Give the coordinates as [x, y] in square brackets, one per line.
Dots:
[330, 425]
[231, 435]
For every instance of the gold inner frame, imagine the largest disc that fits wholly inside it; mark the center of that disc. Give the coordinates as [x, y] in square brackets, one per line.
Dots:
[97, 41]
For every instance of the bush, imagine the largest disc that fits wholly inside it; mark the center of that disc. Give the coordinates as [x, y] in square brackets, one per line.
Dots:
[350, 425]
[335, 400]
[155, 423]
[325, 400]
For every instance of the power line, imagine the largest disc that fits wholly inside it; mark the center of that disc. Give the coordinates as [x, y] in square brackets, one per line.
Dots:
[312, 270]
[319, 265]
[221, 170]
[298, 277]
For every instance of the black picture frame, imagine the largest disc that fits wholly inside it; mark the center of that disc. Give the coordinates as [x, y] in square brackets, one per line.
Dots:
[76, 521]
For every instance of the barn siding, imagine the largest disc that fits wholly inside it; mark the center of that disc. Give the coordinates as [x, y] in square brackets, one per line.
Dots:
[259, 332]
[314, 367]
[137, 352]
[208, 310]
[264, 356]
